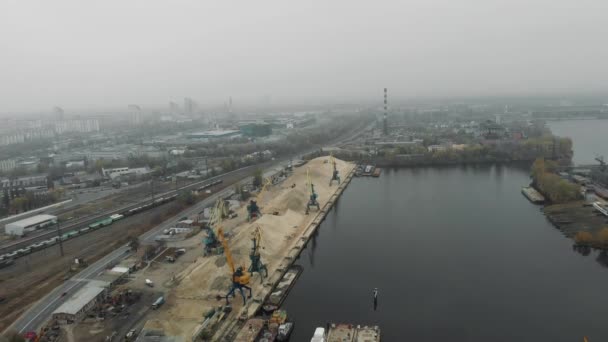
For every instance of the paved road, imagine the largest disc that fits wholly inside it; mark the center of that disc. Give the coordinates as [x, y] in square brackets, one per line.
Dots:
[42, 310]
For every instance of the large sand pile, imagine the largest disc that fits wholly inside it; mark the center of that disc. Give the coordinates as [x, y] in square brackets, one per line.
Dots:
[208, 277]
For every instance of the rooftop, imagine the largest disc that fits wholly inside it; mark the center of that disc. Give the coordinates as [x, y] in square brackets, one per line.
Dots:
[214, 133]
[30, 221]
[81, 298]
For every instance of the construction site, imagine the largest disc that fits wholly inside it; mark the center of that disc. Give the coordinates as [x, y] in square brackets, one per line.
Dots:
[247, 254]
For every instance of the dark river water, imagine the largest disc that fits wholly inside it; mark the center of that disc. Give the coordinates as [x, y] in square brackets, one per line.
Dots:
[458, 254]
[590, 138]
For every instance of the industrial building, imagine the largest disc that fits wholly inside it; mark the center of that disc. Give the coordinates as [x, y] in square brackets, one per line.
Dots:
[114, 276]
[75, 308]
[124, 171]
[256, 129]
[29, 224]
[218, 134]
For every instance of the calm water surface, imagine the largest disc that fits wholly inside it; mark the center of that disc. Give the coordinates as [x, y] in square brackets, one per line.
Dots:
[590, 138]
[457, 253]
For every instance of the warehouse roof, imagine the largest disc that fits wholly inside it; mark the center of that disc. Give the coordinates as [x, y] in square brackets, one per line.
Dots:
[213, 134]
[81, 298]
[30, 221]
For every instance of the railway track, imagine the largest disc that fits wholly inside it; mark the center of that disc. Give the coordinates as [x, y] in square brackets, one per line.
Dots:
[28, 245]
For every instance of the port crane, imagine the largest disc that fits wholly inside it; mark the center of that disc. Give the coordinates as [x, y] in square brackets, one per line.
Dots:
[312, 199]
[335, 175]
[600, 160]
[253, 210]
[256, 259]
[217, 213]
[239, 277]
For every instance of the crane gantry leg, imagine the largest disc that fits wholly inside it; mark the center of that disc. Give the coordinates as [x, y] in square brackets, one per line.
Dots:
[256, 259]
[240, 287]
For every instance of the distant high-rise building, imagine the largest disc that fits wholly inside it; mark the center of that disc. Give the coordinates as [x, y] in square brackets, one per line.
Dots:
[136, 115]
[385, 118]
[188, 106]
[174, 108]
[58, 111]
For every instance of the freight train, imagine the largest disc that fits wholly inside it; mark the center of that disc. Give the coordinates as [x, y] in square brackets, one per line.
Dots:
[93, 226]
[97, 224]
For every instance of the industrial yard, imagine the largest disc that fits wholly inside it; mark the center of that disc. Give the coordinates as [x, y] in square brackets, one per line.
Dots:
[35, 274]
[195, 290]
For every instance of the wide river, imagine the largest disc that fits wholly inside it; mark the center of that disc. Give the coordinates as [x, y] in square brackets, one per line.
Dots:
[458, 254]
[590, 138]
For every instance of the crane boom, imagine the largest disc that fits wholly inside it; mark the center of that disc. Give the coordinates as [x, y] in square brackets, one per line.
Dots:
[267, 182]
[257, 235]
[239, 277]
[227, 253]
[309, 182]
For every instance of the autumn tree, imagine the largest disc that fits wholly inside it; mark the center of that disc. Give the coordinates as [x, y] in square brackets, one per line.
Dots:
[602, 237]
[257, 178]
[583, 238]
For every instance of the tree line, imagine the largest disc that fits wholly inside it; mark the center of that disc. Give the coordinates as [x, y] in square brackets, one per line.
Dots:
[553, 187]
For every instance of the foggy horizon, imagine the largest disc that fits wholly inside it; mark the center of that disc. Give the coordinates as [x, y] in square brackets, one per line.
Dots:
[112, 54]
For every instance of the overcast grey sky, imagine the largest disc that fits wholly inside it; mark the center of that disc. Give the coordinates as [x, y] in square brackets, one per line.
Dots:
[114, 52]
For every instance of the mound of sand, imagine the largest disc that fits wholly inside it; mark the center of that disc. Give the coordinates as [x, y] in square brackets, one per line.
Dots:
[206, 278]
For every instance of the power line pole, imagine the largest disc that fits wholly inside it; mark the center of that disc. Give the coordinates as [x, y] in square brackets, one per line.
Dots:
[59, 237]
[385, 118]
[152, 188]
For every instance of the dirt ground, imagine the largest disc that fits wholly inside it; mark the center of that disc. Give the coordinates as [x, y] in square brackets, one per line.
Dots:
[194, 290]
[573, 217]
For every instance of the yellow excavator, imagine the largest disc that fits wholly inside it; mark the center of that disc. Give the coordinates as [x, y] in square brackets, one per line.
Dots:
[253, 210]
[239, 277]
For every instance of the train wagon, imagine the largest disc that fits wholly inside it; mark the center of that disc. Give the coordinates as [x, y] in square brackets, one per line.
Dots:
[116, 217]
[106, 222]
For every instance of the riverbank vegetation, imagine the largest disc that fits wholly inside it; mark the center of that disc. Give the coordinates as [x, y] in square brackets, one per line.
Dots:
[587, 239]
[552, 186]
[526, 150]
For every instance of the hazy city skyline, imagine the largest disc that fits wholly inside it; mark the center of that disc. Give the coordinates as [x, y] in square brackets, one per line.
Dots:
[115, 53]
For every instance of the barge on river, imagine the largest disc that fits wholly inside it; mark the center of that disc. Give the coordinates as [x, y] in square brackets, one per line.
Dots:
[347, 333]
[533, 195]
[278, 295]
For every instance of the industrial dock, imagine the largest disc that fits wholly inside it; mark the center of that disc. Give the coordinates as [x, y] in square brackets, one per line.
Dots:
[284, 227]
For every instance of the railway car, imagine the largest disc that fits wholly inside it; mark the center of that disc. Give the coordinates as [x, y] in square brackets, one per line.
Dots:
[116, 217]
